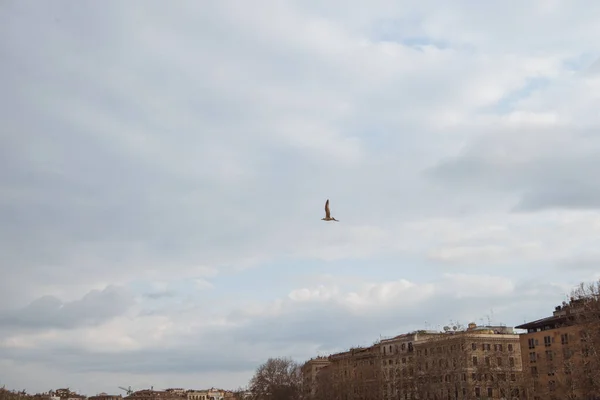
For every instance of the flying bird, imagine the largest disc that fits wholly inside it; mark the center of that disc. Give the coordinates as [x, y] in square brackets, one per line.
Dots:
[328, 216]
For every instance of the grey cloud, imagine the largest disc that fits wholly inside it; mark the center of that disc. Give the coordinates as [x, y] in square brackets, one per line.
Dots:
[583, 262]
[559, 177]
[332, 326]
[94, 308]
[322, 326]
[186, 359]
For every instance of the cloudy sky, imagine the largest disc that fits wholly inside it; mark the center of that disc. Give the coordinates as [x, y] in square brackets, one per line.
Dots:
[164, 167]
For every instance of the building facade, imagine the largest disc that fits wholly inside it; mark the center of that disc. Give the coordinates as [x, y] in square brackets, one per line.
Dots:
[475, 363]
[561, 353]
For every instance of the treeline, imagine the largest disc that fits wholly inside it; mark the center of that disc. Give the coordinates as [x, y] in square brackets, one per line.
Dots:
[6, 394]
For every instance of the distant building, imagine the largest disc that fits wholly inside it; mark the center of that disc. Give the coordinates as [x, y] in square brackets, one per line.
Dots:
[104, 396]
[148, 394]
[197, 395]
[65, 394]
[180, 392]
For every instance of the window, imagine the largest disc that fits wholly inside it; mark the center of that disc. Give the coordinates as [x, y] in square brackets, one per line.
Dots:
[564, 338]
[549, 355]
[547, 341]
[474, 360]
[473, 346]
[403, 360]
[511, 361]
[487, 361]
[477, 392]
[510, 347]
[531, 343]
[403, 346]
[532, 357]
[499, 361]
[490, 394]
[534, 371]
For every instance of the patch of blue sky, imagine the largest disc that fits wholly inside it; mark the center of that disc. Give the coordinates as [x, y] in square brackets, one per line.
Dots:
[580, 62]
[176, 288]
[397, 31]
[508, 102]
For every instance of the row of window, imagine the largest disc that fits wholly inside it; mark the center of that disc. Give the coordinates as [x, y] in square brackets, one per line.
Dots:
[548, 340]
[499, 361]
[479, 392]
[488, 347]
[394, 349]
[533, 356]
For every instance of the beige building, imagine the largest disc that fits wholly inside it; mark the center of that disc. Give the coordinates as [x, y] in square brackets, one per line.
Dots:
[475, 363]
[352, 374]
[558, 354]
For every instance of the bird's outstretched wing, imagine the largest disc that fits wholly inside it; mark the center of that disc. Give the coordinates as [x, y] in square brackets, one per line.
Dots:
[327, 212]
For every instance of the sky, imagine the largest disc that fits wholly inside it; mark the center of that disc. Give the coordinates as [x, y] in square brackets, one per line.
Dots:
[164, 168]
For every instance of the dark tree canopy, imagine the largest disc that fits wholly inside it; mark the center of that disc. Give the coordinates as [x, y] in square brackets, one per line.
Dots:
[276, 379]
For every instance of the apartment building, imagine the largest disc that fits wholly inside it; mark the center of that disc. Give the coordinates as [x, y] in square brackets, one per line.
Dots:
[476, 363]
[349, 375]
[561, 352]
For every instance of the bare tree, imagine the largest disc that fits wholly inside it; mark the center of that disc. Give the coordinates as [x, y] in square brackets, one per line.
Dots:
[325, 386]
[585, 357]
[277, 379]
[568, 367]
[351, 375]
